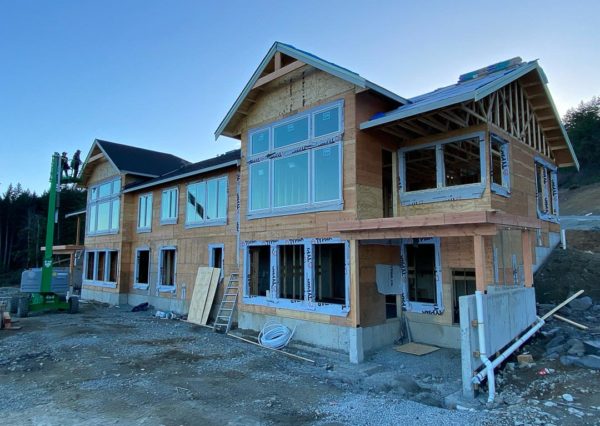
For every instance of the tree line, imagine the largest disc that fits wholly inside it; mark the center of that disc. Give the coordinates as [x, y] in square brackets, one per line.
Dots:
[23, 216]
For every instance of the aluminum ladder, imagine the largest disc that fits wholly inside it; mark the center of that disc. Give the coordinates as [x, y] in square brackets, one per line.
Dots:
[228, 302]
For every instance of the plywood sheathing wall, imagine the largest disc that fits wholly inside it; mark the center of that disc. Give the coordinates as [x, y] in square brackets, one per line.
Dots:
[103, 170]
[369, 145]
[456, 253]
[192, 243]
[300, 90]
[522, 201]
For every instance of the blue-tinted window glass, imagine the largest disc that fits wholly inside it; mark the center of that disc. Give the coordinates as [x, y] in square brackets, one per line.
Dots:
[327, 121]
[327, 173]
[259, 186]
[290, 181]
[291, 132]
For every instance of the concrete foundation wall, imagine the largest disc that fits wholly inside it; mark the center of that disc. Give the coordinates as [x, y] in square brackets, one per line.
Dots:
[166, 304]
[355, 342]
[110, 297]
[506, 314]
[444, 335]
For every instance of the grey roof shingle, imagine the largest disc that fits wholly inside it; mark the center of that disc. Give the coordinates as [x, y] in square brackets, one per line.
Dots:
[192, 169]
[140, 161]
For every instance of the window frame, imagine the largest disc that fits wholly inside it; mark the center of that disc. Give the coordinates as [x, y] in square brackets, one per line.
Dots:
[96, 281]
[333, 140]
[504, 188]
[436, 308]
[148, 228]
[442, 192]
[208, 222]
[551, 193]
[169, 220]
[94, 200]
[211, 254]
[160, 287]
[308, 304]
[137, 285]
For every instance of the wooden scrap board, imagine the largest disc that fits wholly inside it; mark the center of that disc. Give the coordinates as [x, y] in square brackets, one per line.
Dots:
[203, 296]
[415, 349]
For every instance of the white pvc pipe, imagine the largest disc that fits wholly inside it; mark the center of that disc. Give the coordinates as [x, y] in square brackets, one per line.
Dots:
[482, 345]
[508, 352]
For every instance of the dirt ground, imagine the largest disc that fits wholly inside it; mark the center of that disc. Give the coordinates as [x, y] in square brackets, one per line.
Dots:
[580, 201]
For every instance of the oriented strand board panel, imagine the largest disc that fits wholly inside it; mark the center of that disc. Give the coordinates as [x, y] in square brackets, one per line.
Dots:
[416, 349]
[204, 293]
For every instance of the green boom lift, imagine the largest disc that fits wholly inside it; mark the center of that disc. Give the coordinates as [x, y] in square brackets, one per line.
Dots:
[45, 299]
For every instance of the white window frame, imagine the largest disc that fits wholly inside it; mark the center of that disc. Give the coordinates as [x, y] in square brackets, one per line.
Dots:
[332, 140]
[100, 281]
[551, 192]
[159, 285]
[93, 202]
[137, 285]
[208, 222]
[148, 199]
[308, 304]
[421, 307]
[504, 188]
[169, 220]
[442, 192]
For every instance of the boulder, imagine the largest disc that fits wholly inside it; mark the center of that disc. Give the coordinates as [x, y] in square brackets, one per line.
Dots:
[592, 346]
[581, 304]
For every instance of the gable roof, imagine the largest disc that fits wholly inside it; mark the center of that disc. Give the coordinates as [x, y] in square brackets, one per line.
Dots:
[309, 59]
[129, 159]
[474, 87]
[140, 161]
[229, 159]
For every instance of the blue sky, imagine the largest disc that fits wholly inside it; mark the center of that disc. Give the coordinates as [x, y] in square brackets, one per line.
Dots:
[162, 74]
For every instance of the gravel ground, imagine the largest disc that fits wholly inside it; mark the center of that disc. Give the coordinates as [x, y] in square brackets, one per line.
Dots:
[111, 366]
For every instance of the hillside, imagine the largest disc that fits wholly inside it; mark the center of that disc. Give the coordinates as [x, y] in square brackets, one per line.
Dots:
[580, 201]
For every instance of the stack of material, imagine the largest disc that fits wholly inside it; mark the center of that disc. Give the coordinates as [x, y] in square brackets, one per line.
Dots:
[205, 288]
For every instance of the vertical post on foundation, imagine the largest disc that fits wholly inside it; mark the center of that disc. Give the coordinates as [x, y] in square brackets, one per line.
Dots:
[479, 251]
[527, 257]
[355, 335]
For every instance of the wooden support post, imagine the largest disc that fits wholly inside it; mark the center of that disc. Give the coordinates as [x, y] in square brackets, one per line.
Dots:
[78, 232]
[277, 61]
[479, 250]
[527, 257]
[354, 283]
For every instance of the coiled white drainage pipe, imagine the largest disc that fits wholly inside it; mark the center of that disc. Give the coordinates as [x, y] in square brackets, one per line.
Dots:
[275, 336]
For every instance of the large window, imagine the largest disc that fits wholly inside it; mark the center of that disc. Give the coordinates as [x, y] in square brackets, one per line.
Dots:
[167, 268]
[206, 202]
[499, 166]
[145, 213]
[103, 207]
[420, 267]
[168, 206]
[294, 165]
[101, 267]
[450, 169]
[142, 268]
[546, 181]
[300, 274]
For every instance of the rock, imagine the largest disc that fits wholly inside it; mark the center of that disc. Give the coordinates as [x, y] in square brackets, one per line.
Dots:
[555, 341]
[596, 308]
[568, 397]
[576, 348]
[550, 404]
[592, 346]
[581, 304]
[524, 359]
[588, 361]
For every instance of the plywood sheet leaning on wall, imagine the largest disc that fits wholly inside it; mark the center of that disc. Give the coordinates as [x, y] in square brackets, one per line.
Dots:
[203, 296]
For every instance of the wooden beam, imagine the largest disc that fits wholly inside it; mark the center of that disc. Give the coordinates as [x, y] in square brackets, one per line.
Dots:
[413, 128]
[277, 61]
[354, 284]
[527, 257]
[279, 73]
[95, 157]
[479, 251]
[451, 116]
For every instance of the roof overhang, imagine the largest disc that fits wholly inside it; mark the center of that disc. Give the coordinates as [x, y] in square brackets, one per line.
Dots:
[304, 58]
[181, 176]
[546, 111]
[95, 153]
